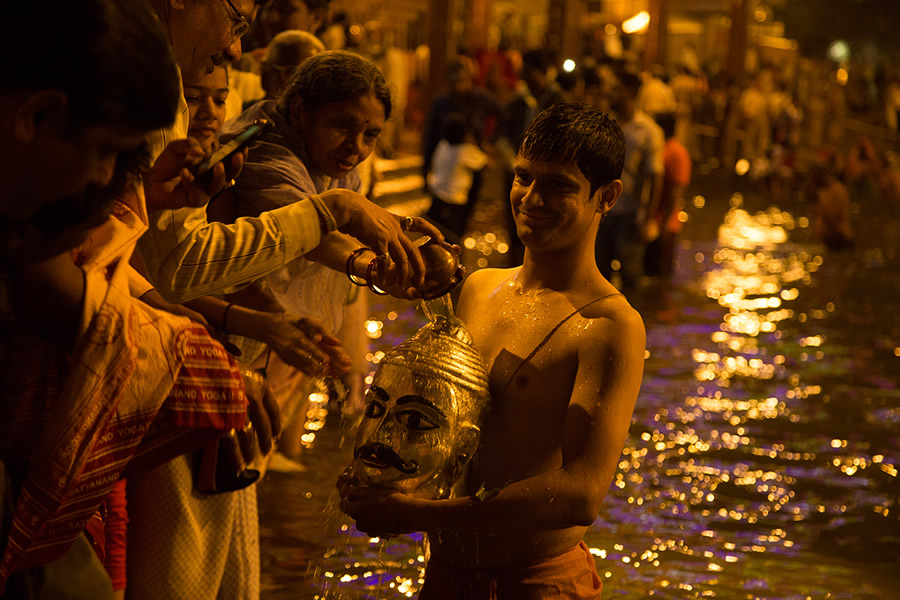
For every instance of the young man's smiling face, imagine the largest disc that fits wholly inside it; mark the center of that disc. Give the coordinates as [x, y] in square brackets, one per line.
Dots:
[551, 202]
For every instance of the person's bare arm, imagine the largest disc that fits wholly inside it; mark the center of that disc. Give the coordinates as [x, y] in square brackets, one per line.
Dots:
[49, 295]
[381, 230]
[153, 298]
[334, 250]
[606, 388]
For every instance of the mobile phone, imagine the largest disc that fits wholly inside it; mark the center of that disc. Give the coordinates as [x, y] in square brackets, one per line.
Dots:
[236, 144]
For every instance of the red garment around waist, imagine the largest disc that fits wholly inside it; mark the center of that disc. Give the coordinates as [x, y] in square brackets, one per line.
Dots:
[571, 575]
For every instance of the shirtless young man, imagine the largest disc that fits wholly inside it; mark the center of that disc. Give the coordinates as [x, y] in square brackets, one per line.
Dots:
[565, 354]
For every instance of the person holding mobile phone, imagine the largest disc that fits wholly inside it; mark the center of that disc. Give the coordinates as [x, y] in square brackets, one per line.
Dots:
[95, 385]
[187, 256]
[215, 522]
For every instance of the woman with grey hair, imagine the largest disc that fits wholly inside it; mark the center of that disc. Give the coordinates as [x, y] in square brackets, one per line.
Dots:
[326, 122]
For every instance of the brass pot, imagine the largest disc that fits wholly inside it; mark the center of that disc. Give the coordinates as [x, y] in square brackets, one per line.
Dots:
[442, 269]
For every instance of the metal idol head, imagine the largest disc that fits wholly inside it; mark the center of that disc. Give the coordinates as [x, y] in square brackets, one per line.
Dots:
[423, 412]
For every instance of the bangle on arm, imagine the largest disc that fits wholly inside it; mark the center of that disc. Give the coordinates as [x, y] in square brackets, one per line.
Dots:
[372, 286]
[354, 279]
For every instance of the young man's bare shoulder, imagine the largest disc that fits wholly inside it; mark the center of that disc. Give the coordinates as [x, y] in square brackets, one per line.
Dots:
[483, 282]
[615, 319]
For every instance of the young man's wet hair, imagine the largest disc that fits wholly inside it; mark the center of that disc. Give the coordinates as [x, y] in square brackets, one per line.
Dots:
[578, 133]
[114, 69]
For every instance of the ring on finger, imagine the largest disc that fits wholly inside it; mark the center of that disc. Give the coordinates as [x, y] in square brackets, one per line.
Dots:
[407, 223]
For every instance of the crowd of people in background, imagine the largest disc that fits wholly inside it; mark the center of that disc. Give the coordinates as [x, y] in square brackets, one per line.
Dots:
[775, 125]
[777, 129]
[173, 298]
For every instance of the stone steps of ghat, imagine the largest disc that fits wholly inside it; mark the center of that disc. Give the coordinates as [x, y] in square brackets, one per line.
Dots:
[400, 187]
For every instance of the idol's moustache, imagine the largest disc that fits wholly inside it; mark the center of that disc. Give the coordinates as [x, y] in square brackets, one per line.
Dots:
[385, 454]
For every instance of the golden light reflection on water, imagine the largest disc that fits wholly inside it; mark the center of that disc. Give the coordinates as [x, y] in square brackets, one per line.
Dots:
[725, 473]
[716, 490]
[316, 414]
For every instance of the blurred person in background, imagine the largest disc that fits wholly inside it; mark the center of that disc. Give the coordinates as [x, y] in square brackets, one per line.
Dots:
[832, 209]
[283, 55]
[453, 166]
[892, 100]
[753, 122]
[659, 255]
[481, 108]
[276, 16]
[655, 95]
[282, 15]
[539, 73]
[624, 231]
[863, 171]
[334, 36]
[278, 60]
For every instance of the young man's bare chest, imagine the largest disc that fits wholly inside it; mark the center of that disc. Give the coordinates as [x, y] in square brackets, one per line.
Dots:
[514, 331]
[532, 371]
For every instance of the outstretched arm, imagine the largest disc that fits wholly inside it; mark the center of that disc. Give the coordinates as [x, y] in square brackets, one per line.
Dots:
[189, 257]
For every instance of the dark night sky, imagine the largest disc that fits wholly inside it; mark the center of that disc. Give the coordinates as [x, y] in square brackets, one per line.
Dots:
[817, 23]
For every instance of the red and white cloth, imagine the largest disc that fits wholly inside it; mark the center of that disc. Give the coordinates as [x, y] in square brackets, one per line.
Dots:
[141, 387]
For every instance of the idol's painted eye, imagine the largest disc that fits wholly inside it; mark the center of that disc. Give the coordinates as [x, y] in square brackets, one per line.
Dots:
[375, 409]
[415, 420]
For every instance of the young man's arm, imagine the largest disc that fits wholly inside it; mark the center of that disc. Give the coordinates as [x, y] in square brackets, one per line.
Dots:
[595, 430]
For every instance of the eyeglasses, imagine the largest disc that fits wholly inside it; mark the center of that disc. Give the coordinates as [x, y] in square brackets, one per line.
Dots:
[241, 24]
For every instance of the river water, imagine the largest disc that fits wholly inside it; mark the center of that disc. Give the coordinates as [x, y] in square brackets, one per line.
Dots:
[763, 453]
